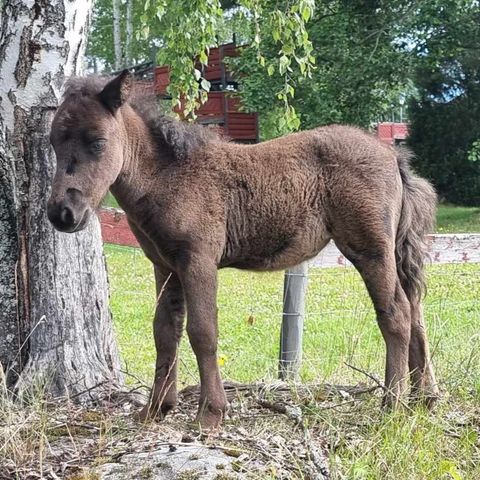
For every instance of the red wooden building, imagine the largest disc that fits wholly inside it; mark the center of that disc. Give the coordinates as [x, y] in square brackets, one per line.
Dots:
[222, 109]
[392, 133]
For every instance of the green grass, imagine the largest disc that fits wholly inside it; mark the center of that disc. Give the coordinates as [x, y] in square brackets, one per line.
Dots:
[340, 327]
[340, 324]
[454, 219]
[110, 201]
[416, 446]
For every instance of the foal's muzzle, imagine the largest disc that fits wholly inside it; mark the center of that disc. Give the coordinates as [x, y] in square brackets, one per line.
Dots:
[70, 214]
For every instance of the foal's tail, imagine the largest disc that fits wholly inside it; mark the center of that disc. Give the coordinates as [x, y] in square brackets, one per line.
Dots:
[417, 219]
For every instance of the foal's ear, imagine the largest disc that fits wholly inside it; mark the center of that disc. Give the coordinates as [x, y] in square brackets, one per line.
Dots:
[116, 92]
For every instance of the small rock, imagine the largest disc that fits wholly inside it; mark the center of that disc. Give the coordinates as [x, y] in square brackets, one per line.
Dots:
[186, 462]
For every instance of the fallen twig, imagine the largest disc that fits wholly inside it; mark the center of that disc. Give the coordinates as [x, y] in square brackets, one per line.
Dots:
[369, 375]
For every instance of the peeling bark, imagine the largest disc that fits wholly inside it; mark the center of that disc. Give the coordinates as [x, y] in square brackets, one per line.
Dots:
[55, 324]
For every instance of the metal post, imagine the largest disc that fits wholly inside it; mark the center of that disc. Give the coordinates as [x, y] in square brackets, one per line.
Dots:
[291, 336]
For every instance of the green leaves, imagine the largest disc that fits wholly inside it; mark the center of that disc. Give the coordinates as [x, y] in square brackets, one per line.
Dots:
[284, 64]
[289, 33]
[445, 131]
[205, 84]
[307, 12]
[448, 467]
[189, 30]
[343, 66]
[474, 152]
[203, 57]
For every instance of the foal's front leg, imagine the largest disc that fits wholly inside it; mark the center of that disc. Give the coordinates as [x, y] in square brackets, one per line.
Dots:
[199, 280]
[167, 329]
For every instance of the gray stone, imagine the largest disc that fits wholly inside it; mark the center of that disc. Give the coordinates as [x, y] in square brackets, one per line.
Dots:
[183, 463]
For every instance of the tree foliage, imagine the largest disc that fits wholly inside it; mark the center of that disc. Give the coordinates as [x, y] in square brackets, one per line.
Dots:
[445, 125]
[303, 64]
[336, 61]
[100, 49]
[361, 67]
[190, 29]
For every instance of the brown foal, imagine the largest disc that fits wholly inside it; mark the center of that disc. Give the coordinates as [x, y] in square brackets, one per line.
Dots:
[197, 203]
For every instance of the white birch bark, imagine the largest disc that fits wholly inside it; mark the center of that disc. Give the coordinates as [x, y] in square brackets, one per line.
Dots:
[128, 45]
[117, 38]
[55, 322]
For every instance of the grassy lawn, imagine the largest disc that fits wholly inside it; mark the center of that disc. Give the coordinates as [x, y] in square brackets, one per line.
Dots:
[340, 328]
[340, 325]
[454, 219]
[110, 201]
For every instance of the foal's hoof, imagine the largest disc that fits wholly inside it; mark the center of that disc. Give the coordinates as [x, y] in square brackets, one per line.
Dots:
[142, 415]
[426, 398]
[210, 420]
[148, 413]
[391, 402]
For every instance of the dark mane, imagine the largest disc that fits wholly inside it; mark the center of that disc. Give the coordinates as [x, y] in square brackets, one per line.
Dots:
[180, 138]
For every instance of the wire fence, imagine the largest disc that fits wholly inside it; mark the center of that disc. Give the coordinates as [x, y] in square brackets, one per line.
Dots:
[338, 322]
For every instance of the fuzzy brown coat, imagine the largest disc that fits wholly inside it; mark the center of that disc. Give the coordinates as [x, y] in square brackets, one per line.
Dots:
[198, 203]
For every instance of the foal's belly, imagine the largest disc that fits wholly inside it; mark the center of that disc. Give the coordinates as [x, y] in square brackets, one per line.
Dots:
[277, 249]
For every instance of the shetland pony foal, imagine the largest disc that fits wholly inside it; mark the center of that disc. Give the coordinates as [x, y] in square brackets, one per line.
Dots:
[197, 203]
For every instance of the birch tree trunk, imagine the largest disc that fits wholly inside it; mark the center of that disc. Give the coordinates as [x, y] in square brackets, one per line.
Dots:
[128, 43]
[55, 323]
[117, 38]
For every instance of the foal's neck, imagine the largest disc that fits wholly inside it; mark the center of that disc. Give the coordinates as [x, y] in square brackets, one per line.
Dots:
[140, 160]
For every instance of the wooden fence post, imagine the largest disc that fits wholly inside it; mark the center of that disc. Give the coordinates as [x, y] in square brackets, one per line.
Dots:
[291, 336]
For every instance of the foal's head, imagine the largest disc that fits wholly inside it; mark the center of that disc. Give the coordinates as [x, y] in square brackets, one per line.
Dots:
[88, 136]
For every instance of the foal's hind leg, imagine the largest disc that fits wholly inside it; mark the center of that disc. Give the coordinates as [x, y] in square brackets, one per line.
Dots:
[377, 267]
[424, 385]
[167, 329]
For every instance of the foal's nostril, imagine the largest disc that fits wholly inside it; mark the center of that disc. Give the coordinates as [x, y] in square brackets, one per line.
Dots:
[66, 216]
[69, 214]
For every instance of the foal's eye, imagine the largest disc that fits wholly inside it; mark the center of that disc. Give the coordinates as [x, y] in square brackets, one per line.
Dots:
[98, 145]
